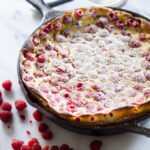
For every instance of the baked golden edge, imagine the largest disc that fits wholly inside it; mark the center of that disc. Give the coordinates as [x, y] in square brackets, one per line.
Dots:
[119, 115]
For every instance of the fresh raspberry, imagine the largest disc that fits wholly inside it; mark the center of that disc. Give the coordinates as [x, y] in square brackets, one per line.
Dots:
[25, 147]
[36, 146]
[7, 85]
[0, 94]
[6, 106]
[47, 135]
[17, 144]
[64, 147]
[41, 58]
[96, 145]
[5, 116]
[46, 148]
[1, 101]
[20, 105]
[43, 127]
[55, 147]
[33, 141]
[79, 14]
[28, 132]
[38, 116]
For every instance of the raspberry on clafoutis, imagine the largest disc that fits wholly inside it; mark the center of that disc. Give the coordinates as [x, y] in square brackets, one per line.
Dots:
[79, 14]
[96, 145]
[1, 101]
[55, 147]
[7, 85]
[6, 106]
[64, 147]
[20, 105]
[47, 135]
[43, 127]
[25, 147]
[33, 141]
[36, 146]
[38, 116]
[46, 148]
[17, 144]
[5, 116]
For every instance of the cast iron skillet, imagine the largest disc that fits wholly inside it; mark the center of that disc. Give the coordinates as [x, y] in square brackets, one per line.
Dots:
[132, 126]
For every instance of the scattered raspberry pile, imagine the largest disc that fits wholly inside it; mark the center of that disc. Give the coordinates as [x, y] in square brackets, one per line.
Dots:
[33, 144]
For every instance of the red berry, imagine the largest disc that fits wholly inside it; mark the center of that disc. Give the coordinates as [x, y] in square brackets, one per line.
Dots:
[136, 24]
[119, 24]
[6, 106]
[67, 19]
[47, 135]
[142, 37]
[17, 144]
[29, 56]
[36, 41]
[5, 116]
[28, 132]
[147, 92]
[41, 58]
[96, 145]
[48, 28]
[1, 101]
[33, 141]
[36, 146]
[129, 21]
[57, 25]
[43, 127]
[102, 21]
[38, 116]
[113, 16]
[42, 34]
[25, 147]
[55, 147]
[79, 14]
[93, 13]
[7, 85]
[46, 148]
[64, 147]
[20, 105]
[0, 94]
[133, 43]
[80, 86]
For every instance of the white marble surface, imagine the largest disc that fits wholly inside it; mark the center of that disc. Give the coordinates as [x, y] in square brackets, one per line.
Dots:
[17, 21]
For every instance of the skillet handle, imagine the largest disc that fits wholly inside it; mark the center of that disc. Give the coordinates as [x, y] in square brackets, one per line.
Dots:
[137, 128]
[40, 5]
[47, 12]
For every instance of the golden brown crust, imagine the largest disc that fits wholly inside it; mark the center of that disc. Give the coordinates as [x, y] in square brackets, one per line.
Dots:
[115, 116]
